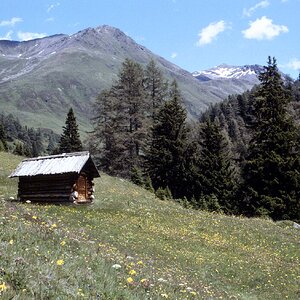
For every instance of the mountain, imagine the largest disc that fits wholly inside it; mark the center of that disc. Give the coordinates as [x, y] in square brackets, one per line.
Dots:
[228, 80]
[41, 79]
[247, 73]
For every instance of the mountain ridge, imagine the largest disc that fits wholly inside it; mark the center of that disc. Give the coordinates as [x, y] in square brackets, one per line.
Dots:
[224, 71]
[41, 78]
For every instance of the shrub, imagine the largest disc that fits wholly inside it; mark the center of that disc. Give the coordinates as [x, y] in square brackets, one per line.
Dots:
[163, 193]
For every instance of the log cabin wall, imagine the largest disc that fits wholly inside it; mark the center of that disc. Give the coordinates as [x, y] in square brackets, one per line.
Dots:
[47, 188]
[66, 177]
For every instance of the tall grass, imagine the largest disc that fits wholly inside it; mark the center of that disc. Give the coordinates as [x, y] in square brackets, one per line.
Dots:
[130, 245]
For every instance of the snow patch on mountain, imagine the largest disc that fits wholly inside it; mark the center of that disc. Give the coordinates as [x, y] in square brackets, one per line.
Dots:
[247, 72]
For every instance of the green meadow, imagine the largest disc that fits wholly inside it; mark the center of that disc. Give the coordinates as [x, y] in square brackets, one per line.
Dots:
[131, 245]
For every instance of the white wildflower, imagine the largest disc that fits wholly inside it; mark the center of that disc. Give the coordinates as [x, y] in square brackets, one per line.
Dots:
[116, 266]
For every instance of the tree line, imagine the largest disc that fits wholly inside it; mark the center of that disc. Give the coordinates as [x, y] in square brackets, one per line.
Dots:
[241, 157]
[23, 140]
[30, 142]
[141, 132]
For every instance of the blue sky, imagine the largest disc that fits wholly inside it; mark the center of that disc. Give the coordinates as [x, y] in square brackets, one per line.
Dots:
[194, 34]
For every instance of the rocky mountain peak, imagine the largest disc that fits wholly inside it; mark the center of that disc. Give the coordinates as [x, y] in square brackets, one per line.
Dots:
[53, 73]
[224, 71]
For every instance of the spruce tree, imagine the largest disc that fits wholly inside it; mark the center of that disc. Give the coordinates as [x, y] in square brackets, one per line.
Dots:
[271, 172]
[165, 159]
[51, 148]
[70, 139]
[215, 172]
[3, 138]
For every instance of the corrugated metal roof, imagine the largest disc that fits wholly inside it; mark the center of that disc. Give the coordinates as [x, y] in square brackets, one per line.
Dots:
[54, 164]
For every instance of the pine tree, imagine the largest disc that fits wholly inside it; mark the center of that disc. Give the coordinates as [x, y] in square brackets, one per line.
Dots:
[271, 173]
[149, 185]
[70, 139]
[103, 142]
[130, 92]
[121, 125]
[156, 88]
[51, 148]
[3, 138]
[137, 176]
[165, 159]
[215, 174]
[18, 149]
[35, 142]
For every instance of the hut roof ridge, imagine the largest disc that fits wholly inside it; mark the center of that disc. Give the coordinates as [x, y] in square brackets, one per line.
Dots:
[82, 153]
[54, 164]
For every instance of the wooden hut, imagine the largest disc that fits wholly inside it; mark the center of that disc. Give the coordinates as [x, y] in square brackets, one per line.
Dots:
[66, 177]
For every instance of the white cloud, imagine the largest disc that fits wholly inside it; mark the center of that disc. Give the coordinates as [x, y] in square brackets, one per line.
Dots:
[294, 64]
[209, 33]
[262, 4]
[12, 22]
[7, 36]
[174, 55]
[52, 6]
[26, 36]
[263, 29]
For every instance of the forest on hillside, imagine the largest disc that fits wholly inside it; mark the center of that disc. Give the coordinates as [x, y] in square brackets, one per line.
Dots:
[241, 157]
[26, 141]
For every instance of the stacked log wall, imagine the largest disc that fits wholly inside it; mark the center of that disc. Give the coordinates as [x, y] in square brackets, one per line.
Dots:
[48, 188]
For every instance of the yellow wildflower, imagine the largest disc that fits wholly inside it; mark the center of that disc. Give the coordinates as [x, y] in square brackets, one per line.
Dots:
[193, 293]
[3, 287]
[11, 242]
[80, 293]
[143, 280]
[130, 280]
[34, 217]
[62, 243]
[60, 262]
[54, 225]
[132, 272]
[140, 263]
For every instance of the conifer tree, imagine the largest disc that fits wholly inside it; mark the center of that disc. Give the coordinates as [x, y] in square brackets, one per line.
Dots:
[3, 142]
[19, 150]
[156, 87]
[166, 157]
[104, 142]
[271, 172]
[51, 145]
[70, 139]
[121, 127]
[215, 174]
[130, 92]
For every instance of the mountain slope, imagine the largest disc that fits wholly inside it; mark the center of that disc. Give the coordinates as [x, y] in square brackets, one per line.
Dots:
[230, 79]
[167, 251]
[40, 79]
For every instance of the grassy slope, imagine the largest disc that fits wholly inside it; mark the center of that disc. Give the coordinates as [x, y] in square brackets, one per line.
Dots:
[179, 253]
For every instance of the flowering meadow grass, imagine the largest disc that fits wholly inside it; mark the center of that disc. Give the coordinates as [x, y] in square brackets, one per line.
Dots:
[130, 245]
